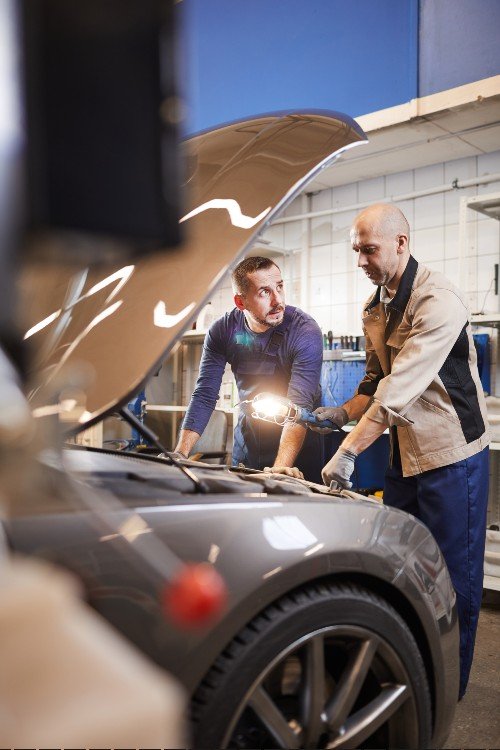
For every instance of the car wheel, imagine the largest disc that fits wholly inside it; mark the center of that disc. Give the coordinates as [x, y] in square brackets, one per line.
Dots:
[327, 666]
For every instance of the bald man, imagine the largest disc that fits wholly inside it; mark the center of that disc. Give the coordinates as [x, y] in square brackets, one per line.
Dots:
[421, 382]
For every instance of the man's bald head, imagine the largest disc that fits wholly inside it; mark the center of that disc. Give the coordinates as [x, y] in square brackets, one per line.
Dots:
[380, 235]
[384, 218]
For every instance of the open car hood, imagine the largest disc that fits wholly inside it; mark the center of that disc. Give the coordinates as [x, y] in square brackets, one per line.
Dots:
[96, 335]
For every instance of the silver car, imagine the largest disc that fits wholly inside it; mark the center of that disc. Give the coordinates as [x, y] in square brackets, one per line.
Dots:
[339, 629]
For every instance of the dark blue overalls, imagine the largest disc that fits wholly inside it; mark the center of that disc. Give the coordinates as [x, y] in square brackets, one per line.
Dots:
[255, 371]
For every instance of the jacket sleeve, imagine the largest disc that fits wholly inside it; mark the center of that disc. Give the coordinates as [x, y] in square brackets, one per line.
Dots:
[206, 392]
[306, 361]
[437, 316]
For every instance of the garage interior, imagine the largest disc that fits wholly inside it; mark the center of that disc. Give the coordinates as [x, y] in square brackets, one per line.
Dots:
[433, 150]
[438, 159]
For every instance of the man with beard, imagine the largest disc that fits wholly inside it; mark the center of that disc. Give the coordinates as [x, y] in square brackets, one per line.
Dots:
[421, 381]
[271, 347]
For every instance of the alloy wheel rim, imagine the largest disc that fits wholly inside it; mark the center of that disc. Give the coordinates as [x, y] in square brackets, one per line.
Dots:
[334, 687]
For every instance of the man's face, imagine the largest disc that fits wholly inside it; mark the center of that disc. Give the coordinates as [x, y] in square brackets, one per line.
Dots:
[264, 302]
[378, 250]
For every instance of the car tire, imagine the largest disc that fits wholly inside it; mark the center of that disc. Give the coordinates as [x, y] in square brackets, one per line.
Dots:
[326, 666]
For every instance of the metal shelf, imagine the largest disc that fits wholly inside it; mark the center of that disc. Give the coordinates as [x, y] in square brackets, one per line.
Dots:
[489, 205]
[193, 337]
[488, 320]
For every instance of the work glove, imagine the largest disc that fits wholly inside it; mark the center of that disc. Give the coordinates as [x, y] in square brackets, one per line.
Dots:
[337, 414]
[337, 472]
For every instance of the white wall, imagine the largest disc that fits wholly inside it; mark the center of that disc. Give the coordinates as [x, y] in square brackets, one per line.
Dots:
[319, 265]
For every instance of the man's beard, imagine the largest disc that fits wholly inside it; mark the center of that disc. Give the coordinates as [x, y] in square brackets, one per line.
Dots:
[270, 323]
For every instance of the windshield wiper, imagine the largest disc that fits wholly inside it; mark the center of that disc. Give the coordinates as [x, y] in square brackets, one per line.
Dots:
[146, 432]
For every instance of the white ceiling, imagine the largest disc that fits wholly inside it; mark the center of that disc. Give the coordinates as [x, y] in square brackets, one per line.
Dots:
[466, 130]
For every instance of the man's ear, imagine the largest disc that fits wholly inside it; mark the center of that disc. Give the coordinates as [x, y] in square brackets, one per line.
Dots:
[239, 302]
[402, 243]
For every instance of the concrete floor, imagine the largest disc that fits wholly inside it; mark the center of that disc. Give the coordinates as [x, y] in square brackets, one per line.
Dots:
[477, 718]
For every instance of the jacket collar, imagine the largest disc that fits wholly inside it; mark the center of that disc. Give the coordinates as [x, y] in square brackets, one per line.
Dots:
[402, 295]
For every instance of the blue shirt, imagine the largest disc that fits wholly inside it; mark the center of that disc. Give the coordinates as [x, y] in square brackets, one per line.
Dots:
[294, 370]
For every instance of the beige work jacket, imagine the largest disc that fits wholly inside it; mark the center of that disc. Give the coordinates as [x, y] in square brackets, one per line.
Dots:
[421, 370]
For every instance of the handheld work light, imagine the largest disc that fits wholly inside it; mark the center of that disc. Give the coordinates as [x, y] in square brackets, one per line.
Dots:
[281, 411]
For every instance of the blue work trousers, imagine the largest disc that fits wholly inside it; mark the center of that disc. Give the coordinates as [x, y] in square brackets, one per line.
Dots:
[452, 502]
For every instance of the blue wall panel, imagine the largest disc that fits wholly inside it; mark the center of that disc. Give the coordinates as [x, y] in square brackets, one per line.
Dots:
[245, 57]
[339, 380]
[459, 43]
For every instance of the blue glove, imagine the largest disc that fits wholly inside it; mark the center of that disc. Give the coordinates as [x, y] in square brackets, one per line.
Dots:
[339, 469]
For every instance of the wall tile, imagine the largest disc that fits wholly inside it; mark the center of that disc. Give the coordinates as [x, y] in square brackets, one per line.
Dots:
[346, 195]
[460, 169]
[321, 230]
[488, 302]
[295, 264]
[429, 177]
[408, 208]
[339, 319]
[429, 212]
[399, 184]
[321, 201]
[341, 225]
[491, 187]
[451, 270]
[371, 190]
[320, 260]
[341, 284]
[320, 290]
[322, 315]
[285, 263]
[342, 257]
[294, 208]
[293, 235]
[451, 248]
[296, 291]
[275, 235]
[428, 244]
[353, 323]
[364, 287]
[488, 236]
[488, 163]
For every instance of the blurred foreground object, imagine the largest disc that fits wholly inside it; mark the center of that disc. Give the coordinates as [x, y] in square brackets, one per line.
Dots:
[195, 595]
[101, 118]
[68, 679]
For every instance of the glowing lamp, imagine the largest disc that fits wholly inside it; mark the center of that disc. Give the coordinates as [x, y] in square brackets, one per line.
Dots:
[281, 411]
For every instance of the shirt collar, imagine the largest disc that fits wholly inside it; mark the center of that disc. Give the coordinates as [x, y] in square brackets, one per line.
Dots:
[400, 299]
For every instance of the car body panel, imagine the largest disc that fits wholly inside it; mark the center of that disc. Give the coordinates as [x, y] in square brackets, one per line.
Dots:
[263, 540]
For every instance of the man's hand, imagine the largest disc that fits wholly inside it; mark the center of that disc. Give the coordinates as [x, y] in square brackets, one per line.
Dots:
[339, 468]
[336, 414]
[175, 454]
[290, 471]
